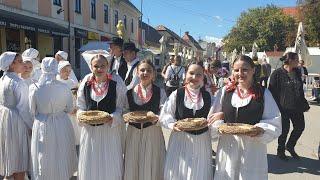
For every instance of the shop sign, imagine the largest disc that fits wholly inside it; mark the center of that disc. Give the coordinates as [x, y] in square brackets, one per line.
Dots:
[93, 36]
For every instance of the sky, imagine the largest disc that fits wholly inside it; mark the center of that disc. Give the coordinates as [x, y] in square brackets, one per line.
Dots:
[210, 20]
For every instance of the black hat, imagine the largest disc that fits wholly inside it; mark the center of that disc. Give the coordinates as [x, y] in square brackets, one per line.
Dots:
[116, 41]
[130, 46]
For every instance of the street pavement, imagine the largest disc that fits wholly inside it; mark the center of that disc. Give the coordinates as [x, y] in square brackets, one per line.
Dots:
[308, 168]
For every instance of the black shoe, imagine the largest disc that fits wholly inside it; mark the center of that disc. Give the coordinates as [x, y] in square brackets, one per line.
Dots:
[282, 155]
[293, 153]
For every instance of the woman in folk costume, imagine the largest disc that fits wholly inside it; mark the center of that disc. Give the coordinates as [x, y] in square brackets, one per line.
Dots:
[145, 146]
[53, 143]
[64, 70]
[244, 101]
[32, 55]
[26, 75]
[189, 153]
[15, 119]
[101, 155]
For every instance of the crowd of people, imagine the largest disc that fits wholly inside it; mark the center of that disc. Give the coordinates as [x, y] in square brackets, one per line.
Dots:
[40, 134]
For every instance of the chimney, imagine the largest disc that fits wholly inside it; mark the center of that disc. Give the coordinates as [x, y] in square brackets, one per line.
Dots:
[187, 33]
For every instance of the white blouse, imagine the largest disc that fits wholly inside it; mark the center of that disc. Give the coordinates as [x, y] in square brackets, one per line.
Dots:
[120, 98]
[145, 91]
[271, 118]
[167, 115]
[135, 78]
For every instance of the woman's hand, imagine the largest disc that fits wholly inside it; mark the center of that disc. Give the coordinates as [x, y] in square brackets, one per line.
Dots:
[214, 117]
[259, 132]
[175, 128]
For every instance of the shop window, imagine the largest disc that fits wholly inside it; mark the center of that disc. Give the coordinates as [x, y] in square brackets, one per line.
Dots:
[57, 43]
[125, 21]
[116, 17]
[13, 40]
[106, 13]
[77, 8]
[132, 30]
[57, 2]
[93, 9]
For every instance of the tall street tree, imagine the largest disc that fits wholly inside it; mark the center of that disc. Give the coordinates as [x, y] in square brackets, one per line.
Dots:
[267, 26]
[310, 16]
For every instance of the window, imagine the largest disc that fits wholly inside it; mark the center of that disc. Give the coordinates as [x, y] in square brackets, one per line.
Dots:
[77, 6]
[57, 2]
[132, 30]
[125, 21]
[116, 17]
[93, 9]
[106, 14]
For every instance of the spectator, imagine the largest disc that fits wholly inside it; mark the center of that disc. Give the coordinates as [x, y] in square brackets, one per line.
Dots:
[304, 71]
[265, 72]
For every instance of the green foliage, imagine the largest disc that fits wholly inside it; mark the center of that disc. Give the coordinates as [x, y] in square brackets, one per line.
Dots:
[266, 26]
[310, 16]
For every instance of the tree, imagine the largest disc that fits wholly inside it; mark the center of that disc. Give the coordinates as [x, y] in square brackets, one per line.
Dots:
[267, 26]
[310, 16]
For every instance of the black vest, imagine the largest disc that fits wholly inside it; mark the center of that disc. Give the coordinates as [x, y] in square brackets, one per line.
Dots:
[130, 75]
[122, 71]
[183, 112]
[107, 104]
[249, 114]
[152, 105]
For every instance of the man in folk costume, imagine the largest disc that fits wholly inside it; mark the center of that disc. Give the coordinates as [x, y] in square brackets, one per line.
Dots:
[118, 64]
[130, 55]
[63, 56]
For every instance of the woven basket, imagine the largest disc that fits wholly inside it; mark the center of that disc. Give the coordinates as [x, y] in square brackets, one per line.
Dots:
[238, 129]
[140, 116]
[94, 117]
[192, 124]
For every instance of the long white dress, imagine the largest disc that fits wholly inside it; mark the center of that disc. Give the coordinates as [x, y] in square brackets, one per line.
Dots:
[189, 157]
[244, 157]
[53, 143]
[72, 84]
[15, 124]
[101, 155]
[145, 148]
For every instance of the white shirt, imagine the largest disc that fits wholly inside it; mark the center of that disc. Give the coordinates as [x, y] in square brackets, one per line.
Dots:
[135, 79]
[167, 115]
[120, 96]
[116, 64]
[173, 69]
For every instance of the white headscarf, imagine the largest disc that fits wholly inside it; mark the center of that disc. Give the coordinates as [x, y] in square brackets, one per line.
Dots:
[31, 55]
[63, 64]
[49, 68]
[6, 59]
[88, 55]
[63, 54]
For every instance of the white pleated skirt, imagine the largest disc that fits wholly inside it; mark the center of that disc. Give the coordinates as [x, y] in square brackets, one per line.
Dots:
[189, 157]
[145, 153]
[76, 128]
[14, 143]
[53, 148]
[101, 155]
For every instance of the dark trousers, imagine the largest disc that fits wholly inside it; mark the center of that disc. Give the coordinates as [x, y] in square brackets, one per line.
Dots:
[169, 90]
[297, 119]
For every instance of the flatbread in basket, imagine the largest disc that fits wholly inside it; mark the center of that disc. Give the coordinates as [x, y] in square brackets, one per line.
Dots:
[140, 116]
[238, 129]
[94, 117]
[192, 124]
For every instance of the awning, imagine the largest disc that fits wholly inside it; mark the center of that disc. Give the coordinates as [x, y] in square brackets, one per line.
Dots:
[18, 21]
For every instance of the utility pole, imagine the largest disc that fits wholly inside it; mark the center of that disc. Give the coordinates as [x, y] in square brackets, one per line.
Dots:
[141, 2]
[69, 28]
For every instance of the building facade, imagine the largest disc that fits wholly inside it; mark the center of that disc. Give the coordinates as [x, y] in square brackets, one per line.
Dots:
[52, 25]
